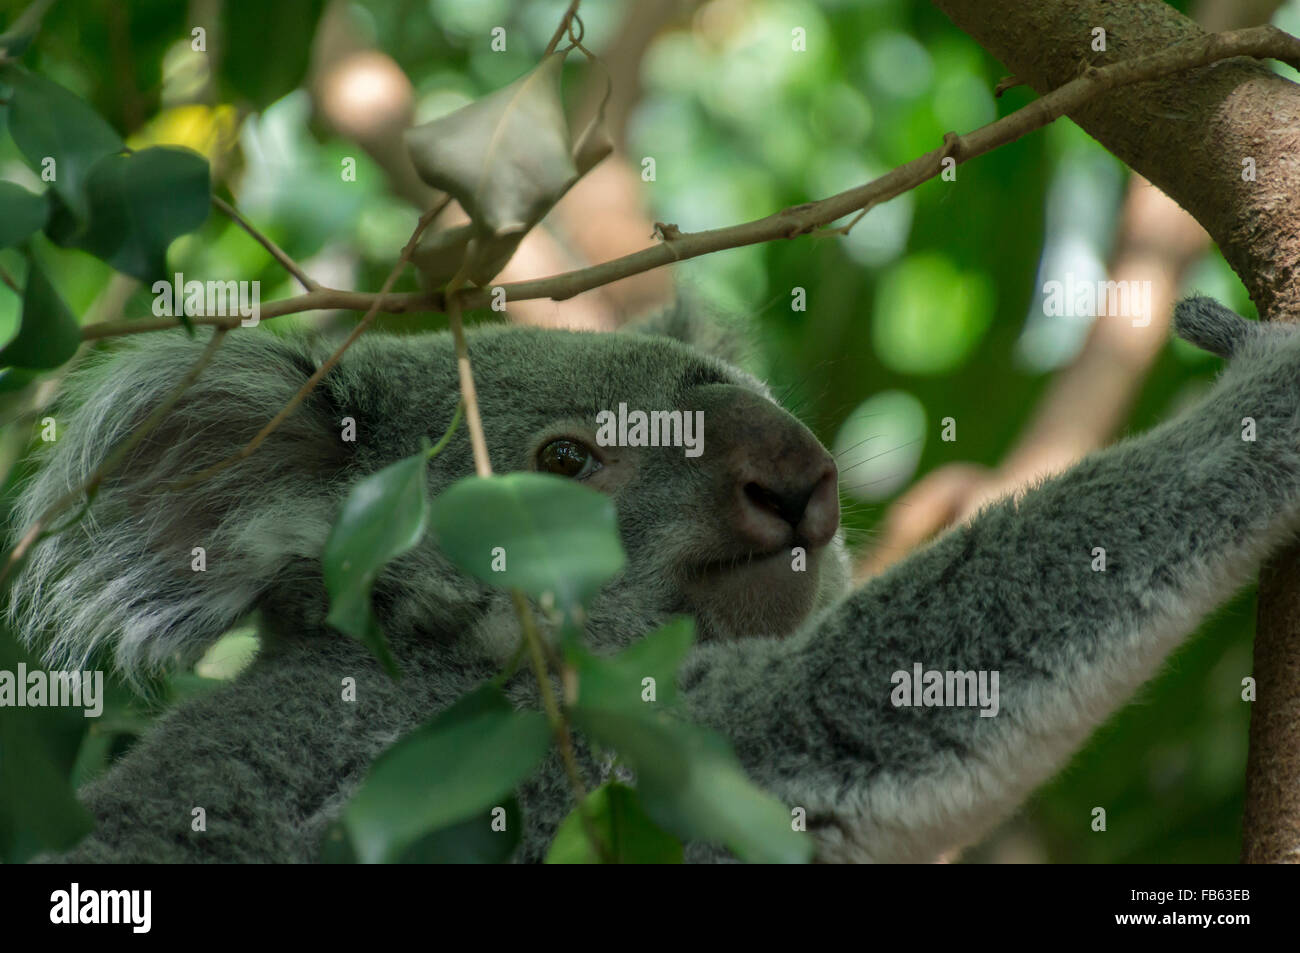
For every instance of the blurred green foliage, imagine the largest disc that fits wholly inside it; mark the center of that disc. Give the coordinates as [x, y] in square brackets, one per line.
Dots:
[926, 306]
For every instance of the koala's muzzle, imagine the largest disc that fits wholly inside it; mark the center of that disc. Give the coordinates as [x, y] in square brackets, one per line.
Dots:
[777, 484]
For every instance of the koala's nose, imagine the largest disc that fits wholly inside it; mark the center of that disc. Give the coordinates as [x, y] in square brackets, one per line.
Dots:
[779, 484]
[805, 501]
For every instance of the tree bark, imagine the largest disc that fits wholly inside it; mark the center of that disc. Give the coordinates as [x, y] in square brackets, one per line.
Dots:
[1191, 135]
[1188, 134]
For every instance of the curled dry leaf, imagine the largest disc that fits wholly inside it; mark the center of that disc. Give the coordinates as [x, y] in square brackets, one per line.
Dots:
[594, 143]
[507, 158]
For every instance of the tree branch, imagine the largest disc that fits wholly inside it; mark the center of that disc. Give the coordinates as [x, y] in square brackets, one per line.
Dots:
[1263, 42]
[1189, 135]
[322, 299]
[278, 253]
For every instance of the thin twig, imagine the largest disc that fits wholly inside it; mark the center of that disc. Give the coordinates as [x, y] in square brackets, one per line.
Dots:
[477, 440]
[9, 280]
[1260, 42]
[322, 299]
[92, 483]
[278, 253]
[483, 468]
[326, 366]
[562, 28]
[1006, 83]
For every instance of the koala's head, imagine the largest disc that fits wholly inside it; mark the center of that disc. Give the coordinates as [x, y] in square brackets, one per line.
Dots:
[738, 529]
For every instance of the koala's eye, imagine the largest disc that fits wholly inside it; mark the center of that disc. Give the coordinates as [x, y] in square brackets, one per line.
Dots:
[567, 458]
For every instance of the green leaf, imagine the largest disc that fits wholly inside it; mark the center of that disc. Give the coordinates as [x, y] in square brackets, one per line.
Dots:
[489, 838]
[182, 686]
[618, 682]
[336, 846]
[623, 826]
[383, 517]
[48, 334]
[13, 378]
[38, 748]
[21, 213]
[247, 71]
[47, 121]
[554, 536]
[691, 784]
[138, 204]
[465, 761]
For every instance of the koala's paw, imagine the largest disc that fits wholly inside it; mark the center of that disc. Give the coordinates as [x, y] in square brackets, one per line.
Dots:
[1211, 326]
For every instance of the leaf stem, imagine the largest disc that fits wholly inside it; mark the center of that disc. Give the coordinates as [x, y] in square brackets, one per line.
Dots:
[483, 467]
[451, 429]
[559, 724]
[562, 28]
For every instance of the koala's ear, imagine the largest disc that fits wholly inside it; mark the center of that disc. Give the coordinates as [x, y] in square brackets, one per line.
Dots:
[729, 337]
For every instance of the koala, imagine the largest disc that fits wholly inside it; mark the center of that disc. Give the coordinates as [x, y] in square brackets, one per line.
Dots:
[797, 669]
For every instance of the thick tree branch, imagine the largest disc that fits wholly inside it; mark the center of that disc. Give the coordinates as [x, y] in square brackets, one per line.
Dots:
[1221, 141]
[1188, 134]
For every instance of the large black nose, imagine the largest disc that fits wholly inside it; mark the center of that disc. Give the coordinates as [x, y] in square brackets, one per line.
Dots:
[779, 484]
[787, 504]
[807, 501]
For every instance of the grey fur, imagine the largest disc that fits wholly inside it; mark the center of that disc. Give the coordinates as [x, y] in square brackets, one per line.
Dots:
[1207, 324]
[1185, 513]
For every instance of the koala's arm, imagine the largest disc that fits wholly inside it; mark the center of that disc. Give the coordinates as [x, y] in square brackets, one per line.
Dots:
[1185, 514]
[271, 757]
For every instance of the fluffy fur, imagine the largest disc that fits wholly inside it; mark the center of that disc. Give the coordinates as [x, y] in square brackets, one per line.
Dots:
[1185, 513]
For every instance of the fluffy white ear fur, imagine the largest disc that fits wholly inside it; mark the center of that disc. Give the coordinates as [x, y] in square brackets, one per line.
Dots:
[123, 585]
